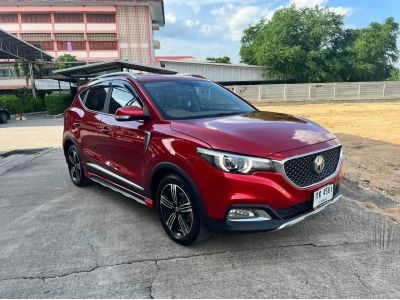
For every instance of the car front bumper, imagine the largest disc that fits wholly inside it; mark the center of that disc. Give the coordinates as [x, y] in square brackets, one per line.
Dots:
[276, 223]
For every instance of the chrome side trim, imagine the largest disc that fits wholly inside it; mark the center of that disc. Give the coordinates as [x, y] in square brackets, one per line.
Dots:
[114, 188]
[109, 173]
[309, 214]
[255, 219]
[279, 166]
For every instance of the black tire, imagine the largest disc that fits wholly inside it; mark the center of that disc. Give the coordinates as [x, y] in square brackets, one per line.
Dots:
[3, 118]
[75, 167]
[187, 227]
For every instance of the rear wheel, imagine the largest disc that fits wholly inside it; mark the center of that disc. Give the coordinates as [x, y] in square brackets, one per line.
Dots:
[75, 167]
[179, 211]
[3, 118]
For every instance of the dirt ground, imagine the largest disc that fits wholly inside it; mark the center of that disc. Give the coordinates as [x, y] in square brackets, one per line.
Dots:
[370, 134]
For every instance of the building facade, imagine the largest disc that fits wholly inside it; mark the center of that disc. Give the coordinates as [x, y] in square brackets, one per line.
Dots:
[91, 30]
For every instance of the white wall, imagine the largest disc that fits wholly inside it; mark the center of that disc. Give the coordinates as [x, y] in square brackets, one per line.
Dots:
[218, 72]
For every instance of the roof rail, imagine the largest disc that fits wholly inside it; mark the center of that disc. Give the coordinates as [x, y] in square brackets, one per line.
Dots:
[126, 74]
[191, 75]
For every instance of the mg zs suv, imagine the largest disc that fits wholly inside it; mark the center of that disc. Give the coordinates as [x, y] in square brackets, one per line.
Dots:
[207, 159]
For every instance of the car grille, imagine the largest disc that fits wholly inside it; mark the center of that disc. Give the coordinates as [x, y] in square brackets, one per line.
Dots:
[301, 171]
[294, 211]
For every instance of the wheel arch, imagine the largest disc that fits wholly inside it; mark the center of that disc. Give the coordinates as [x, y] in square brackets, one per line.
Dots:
[164, 168]
[68, 141]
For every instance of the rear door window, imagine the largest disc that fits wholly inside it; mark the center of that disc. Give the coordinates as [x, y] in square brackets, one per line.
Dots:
[96, 98]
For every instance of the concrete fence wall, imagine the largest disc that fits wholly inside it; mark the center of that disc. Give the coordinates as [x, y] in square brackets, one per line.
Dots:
[319, 91]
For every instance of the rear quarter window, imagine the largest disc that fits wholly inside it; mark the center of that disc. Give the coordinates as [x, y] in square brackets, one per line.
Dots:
[96, 98]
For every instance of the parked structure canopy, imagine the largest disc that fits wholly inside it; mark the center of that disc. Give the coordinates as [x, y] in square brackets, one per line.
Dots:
[92, 70]
[12, 47]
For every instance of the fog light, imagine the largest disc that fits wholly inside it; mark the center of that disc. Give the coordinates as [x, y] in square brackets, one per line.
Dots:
[262, 214]
[239, 213]
[242, 214]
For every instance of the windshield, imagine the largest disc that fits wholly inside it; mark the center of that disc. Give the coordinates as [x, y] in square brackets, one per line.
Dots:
[194, 99]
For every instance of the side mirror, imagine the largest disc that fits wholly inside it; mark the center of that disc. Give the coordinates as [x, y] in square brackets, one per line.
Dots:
[130, 113]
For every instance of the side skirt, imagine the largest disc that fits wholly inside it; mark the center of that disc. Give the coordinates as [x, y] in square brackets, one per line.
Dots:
[118, 189]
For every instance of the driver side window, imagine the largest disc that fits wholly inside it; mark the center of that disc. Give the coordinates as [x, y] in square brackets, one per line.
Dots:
[121, 97]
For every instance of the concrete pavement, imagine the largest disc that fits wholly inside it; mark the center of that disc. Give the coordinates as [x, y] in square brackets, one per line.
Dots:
[57, 240]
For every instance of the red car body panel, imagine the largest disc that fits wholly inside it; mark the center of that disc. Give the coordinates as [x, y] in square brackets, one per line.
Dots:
[120, 148]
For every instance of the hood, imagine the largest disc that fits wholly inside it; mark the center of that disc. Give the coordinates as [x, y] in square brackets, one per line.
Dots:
[257, 133]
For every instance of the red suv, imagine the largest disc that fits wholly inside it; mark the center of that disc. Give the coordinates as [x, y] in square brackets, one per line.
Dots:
[206, 158]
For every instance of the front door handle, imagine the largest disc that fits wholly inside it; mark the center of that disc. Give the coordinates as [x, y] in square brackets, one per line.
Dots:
[105, 130]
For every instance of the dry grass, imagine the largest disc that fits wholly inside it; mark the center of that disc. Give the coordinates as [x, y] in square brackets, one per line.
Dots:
[370, 133]
[375, 120]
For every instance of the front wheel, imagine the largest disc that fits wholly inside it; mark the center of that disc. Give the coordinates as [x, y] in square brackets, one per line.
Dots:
[179, 211]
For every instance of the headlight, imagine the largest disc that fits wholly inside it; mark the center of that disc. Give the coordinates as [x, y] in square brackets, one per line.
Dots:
[233, 163]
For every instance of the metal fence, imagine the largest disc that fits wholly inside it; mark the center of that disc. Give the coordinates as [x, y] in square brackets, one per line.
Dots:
[319, 91]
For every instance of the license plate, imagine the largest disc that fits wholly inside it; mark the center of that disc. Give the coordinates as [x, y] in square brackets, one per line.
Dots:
[323, 195]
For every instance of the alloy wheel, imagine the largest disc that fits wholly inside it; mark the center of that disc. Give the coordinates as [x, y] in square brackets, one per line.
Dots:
[176, 210]
[75, 169]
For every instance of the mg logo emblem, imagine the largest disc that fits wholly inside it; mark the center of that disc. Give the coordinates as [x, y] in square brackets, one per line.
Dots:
[319, 164]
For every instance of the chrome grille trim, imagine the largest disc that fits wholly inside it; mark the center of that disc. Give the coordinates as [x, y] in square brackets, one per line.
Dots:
[280, 166]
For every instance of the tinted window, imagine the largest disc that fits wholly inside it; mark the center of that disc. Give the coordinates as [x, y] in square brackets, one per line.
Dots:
[121, 97]
[83, 95]
[96, 98]
[189, 99]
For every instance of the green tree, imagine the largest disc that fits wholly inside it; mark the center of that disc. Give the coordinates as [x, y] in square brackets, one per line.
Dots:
[248, 40]
[221, 60]
[312, 45]
[65, 61]
[394, 74]
[374, 51]
[21, 67]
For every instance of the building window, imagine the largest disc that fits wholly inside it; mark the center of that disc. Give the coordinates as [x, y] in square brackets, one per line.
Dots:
[68, 18]
[65, 37]
[36, 18]
[100, 18]
[99, 37]
[71, 45]
[8, 18]
[110, 45]
[44, 45]
[29, 37]
[39, 40]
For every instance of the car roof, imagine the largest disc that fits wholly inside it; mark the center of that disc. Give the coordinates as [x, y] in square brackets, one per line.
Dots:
[145, 78]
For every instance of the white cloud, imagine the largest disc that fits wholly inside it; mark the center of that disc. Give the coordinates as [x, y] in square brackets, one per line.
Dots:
[209, 30]
[344, 11]
[307, 3]
[191, 23]
[170, 18]
[231, 20]
[243, 17]
[199, 49]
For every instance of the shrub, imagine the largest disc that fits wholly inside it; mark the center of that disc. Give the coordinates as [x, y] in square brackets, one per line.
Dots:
[12, 103]
[57, 103]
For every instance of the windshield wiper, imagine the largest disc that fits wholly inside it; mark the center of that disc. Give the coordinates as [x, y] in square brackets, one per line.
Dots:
[227, 114]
